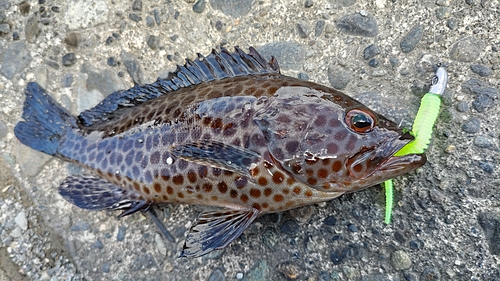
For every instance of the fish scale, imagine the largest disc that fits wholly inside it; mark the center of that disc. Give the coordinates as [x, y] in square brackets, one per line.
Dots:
[226, 130]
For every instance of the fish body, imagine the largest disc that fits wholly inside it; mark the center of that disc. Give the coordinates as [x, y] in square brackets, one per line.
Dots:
[227, 130]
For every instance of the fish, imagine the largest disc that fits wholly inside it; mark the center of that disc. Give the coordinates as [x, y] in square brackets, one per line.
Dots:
[226, 130]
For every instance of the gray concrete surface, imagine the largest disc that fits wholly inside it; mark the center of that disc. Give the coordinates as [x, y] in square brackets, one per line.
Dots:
[446, 220]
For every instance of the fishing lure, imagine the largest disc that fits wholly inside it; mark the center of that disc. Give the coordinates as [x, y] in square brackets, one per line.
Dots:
[421, 129]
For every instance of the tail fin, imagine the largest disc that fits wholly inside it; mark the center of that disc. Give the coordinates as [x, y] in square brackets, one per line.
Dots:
[46, 121]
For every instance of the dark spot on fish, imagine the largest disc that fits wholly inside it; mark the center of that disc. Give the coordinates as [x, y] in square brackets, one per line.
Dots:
[337, 166]
[236, 142]
[182, 164]
[358, 168]
[268, 192]
[137, 186]
[255, 193]
[191, 175]
[168, 138]
[135, 172]
[278, 177]
[320, 121]
[244, 198]
[207, 121]
[351, 143]
[138, 156]
[222, 186]
[229, 130]
[104, 163]
[258, 140]
[309, 172]
[177, 113]
[112, 158]
[257, 206]
[340, 135]
[228, 173]
[278, 153]
[278, 198]
[262, 181]
[165, 198]
[165, 174]
[148, 177]
[202, 171]
[157, 187]
[155, 158]
[308, 193]
[312, 181]
[207, 187]
[170, 190]
[216, 172]
[254, 172]
[178, 180]
[146, 190]
[215, 198]
[240, 182]
[128, 159]
[332, 148]
[199, 196]
[292, 147]
[180, 195]
[233, 193]
[144, 161]
[296, 190]
[216, 124]
[322, 173]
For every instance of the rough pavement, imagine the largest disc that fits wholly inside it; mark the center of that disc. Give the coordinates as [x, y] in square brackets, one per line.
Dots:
[446, 222]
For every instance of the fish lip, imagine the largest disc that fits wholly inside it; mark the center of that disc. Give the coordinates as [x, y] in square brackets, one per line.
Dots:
[404, 163]
[382, 159]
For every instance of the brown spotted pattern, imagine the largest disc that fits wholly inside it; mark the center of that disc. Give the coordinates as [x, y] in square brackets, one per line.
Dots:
[297, 128]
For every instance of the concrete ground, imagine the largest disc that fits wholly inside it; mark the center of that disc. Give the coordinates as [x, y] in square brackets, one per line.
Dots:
[446, 223]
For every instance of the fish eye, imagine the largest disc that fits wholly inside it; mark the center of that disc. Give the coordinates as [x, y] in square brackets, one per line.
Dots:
[360, 121]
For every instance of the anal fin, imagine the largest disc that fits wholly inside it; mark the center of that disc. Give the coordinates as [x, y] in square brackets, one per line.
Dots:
[215, 230]
[95, 193]
[218, 154]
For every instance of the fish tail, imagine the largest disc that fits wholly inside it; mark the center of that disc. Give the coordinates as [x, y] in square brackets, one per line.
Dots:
[45, 121]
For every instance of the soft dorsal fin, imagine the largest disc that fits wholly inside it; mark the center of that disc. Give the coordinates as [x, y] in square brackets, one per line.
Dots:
[215, 66]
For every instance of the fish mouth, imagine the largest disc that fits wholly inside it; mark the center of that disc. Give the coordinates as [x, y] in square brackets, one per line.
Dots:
[380, 160]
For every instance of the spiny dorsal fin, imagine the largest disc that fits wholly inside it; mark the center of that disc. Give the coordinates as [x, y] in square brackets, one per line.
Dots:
[215, 66]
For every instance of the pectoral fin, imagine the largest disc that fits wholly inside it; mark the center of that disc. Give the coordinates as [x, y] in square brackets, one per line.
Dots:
[215, 230]
[218, 154]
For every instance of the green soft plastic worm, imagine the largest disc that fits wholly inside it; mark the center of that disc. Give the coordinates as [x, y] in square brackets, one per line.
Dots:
[421, 129]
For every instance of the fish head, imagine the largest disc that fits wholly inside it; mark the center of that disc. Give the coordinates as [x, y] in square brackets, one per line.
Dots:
[334, 144]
